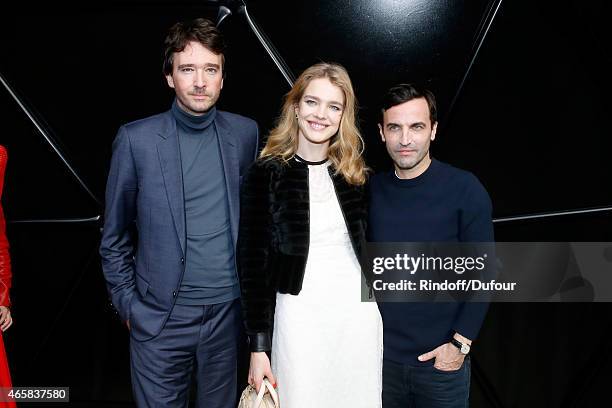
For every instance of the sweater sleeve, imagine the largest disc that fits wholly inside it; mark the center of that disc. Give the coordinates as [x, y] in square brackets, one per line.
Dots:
[476, 225]
[254, 246]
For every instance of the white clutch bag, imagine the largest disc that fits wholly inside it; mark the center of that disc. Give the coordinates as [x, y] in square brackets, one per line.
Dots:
[266, 398]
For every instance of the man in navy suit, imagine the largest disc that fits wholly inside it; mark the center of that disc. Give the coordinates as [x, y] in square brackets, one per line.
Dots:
[175, 177]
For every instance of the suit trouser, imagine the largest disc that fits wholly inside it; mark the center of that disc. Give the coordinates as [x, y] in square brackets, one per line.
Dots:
[196, 340]
[406, 386]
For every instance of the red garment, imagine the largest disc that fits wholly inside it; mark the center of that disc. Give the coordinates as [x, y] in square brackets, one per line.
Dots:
[5, 375]
[5, 283]
[5, 260]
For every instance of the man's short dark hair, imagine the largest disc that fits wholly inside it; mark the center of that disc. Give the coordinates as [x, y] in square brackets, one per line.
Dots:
[406, 92]
[199, 30]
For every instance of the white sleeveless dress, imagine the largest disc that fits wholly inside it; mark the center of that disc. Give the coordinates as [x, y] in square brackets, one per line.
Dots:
[327, 344]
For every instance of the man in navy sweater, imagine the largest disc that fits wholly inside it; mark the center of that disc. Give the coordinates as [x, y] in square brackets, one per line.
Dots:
[426, 344]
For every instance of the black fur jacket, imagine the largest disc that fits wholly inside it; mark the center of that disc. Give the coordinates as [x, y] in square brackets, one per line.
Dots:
[274, 237]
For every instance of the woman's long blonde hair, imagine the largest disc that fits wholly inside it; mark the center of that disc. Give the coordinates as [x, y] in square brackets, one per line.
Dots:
[346, 147]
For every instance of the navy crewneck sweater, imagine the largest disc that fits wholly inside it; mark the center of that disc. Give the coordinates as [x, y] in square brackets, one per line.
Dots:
[444, 204]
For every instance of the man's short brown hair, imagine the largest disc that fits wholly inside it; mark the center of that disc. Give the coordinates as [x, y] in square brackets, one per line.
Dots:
[199, 30]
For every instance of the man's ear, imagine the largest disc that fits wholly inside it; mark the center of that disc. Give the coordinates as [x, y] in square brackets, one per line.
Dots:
[382, 134]
[170, 80]
[434, 129]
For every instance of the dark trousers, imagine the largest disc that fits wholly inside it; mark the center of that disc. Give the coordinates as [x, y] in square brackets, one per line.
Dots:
[406, 386]
[200, 341]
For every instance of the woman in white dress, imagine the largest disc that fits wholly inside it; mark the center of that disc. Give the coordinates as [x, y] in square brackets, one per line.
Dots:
[301, 230]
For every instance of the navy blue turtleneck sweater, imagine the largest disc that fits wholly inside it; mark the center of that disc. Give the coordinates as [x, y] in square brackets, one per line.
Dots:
[210, 273]
[443, 204]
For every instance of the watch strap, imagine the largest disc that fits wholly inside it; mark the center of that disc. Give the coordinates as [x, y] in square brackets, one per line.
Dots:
[459, 345]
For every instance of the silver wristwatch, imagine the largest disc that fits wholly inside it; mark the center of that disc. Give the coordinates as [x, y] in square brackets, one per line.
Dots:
[464, 348]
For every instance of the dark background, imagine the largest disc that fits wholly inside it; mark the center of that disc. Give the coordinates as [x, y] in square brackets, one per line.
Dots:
[530, 120]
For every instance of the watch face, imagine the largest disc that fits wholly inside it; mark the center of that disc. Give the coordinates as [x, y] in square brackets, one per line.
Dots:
[465, 348]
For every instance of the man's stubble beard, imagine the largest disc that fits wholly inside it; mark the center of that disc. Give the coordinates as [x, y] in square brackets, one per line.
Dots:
[411, 163]
[194, 107]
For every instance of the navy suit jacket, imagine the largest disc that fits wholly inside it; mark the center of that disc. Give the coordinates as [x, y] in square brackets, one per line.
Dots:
[143, 242]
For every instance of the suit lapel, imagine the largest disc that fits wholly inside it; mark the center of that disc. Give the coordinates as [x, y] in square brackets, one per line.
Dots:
[231, 165]
[170, 161]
